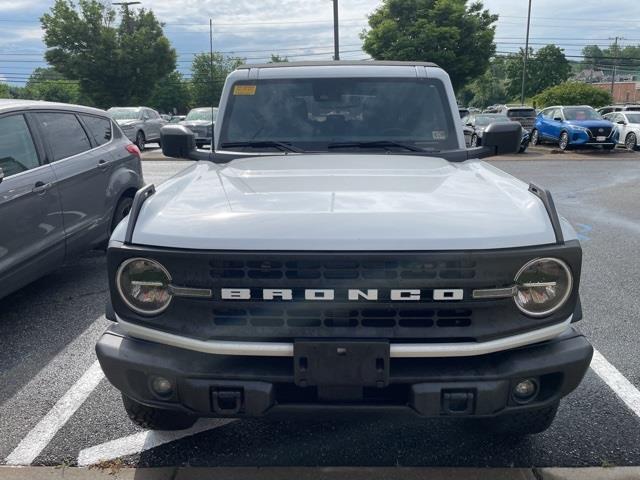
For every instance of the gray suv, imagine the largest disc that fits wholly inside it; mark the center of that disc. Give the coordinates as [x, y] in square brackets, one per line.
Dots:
[140, 124]
[67, 177]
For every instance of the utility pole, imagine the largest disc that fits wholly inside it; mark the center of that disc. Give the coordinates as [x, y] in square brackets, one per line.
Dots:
[526, 56]
[211, 149]
[126, 16]
[336, 34]
[615, 53]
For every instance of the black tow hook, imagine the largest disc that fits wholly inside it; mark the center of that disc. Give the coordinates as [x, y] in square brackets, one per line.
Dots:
[226, 402]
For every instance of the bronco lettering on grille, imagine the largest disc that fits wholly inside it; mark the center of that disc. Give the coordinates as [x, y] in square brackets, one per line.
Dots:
[352, 294]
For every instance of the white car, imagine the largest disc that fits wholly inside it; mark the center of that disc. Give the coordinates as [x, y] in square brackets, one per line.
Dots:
[628, 126]
[341, 248]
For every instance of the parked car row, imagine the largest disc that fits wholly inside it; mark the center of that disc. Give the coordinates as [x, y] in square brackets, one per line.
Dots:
[474, 126]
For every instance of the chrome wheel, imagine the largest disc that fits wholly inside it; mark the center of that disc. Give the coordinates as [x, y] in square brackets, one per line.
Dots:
[564, 141]
[631, 142]
[535, 138]
[474, 141]
[140, 140]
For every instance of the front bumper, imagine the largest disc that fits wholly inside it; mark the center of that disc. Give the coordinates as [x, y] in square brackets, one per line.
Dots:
[477, 386]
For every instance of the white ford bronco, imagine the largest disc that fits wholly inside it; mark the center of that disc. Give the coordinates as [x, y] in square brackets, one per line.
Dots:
[340, 248]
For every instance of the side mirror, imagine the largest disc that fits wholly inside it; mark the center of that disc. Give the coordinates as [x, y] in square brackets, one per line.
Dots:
[557, 119]
[502, 138]
[621, 122]
[179, 142]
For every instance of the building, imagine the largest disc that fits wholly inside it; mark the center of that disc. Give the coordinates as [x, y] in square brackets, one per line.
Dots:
[623, 92]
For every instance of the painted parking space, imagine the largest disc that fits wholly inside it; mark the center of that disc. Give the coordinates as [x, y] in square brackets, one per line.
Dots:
[57, 410]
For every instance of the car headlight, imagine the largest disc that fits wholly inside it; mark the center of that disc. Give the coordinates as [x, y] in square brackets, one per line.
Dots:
[543, 286]
[143, 285]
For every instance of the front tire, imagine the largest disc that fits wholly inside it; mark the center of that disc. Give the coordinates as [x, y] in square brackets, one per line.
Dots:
[519, 424]
[140, 140]
[475, 141]
[631, 142]
[123, 208]
[535, 138]
[156, 418]
[564, 141]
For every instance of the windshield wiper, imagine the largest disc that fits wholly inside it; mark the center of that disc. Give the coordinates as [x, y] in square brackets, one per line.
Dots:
[375, 144]
[285, 147]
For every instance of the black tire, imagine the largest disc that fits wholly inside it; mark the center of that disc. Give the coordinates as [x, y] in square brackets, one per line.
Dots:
[528, 422]
[122, 210]
[631, 142]
[535, 138]
[140, 140]
[475, 141]
[563, 142]
[156, 418]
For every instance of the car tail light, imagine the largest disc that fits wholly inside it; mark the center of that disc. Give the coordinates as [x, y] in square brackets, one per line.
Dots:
[133, 150]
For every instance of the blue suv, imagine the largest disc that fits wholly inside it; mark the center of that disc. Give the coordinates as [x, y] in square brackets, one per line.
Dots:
[573, 127]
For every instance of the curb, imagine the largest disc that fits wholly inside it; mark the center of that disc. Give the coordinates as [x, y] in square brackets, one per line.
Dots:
[114, 472]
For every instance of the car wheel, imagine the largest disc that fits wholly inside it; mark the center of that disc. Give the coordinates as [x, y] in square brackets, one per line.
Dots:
[156, 418]
[631, 142]
[535, 138]
[475, 141]
[518, 424]
[122, 210]
[564, 141]
[140, 140]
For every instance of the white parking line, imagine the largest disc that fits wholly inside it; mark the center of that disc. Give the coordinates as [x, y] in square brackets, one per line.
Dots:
[39, 437]
[617, 382]
[139, 442]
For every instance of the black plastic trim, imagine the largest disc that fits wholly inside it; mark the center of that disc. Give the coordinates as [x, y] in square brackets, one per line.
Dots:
[141, 195]
[547, 200]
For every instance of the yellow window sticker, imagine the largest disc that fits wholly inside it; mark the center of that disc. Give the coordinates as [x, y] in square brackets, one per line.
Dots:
[244, 90]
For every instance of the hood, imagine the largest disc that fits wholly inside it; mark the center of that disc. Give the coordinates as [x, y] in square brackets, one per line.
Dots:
[196, 123]
[590, 123]
[342, 202]
[124, 123]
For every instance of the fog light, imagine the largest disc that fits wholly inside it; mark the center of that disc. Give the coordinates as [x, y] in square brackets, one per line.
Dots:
[525, 390]
[161, 386]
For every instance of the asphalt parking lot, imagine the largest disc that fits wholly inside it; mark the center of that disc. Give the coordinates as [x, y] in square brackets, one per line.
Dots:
[56, 408]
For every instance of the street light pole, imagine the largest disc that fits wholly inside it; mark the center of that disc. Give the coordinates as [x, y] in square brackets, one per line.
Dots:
[526, 56]
[613, 73]
[336, 33]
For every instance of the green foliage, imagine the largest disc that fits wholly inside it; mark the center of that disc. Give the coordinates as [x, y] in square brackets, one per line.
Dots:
[208, 74]
[626, 57]
[47, 84]
[278, 59]
[573, 93]
[545, 68]
[451, 33]
[114, 65]
[488, 89]
[172, 92]
[4, 91]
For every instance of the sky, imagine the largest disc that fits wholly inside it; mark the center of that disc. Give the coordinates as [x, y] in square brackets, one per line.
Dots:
[302, 29]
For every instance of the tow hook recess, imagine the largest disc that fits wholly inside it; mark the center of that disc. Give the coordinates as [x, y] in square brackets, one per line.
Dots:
[226, 402]
[457, 403]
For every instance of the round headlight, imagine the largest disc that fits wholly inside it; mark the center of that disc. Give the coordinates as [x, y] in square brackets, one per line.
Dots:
[542, 286]
[143, 284]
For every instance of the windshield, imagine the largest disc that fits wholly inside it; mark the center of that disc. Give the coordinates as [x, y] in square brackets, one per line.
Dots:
[124, 113]
[581, 113]
[484, 120]
[315, 113]
[522, 113]
[633, 117]
[202, 114]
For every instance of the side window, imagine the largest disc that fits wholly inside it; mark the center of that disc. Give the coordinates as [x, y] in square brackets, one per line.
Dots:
[99, 128]
[546, 113]
[146, 115]
[17, 151]
[64, 134]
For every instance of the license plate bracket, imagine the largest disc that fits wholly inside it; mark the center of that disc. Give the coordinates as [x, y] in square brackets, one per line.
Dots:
[601, 138]
[341, 363]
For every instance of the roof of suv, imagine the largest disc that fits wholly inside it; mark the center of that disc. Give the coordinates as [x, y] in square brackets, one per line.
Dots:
[11, 104]
[339, 63]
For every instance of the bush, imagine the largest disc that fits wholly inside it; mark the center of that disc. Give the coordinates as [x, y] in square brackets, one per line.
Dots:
[573, 93]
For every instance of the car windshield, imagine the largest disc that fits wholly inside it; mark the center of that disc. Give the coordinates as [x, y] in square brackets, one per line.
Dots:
[633, 117]
[321, 113]
[203, 114]
[521, 112]
[581, 113]
[124, 113]
[484, 120]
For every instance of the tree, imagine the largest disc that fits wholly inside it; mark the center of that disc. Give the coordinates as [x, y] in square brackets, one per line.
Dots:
[456, 36]
[573, 93]
[172, 93]
[47, 84]
[208, 75]
[592, 56]
[4, 91]
[545, 68]
[275, 58]
[114, 65]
